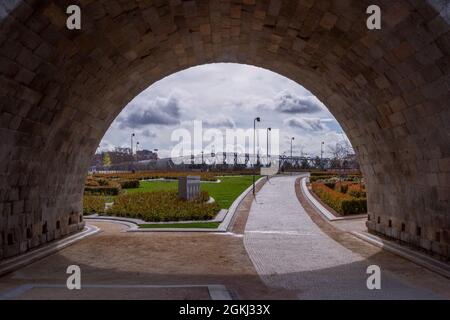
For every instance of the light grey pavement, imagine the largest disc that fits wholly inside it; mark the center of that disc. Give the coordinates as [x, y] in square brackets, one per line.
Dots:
[290, 251]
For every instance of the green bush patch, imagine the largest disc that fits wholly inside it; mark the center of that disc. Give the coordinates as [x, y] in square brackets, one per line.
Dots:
[93, 204]
[163, 206]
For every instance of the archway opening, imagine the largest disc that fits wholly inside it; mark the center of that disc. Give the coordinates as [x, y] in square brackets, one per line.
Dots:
[201, 121]
[61, 90]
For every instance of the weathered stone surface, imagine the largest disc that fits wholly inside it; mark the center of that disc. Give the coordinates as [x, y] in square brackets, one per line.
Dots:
[60, 90]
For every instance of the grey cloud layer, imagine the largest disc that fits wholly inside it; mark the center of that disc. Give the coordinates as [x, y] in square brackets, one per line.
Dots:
[308, 124]
[158, 112]
[293, 104]
[220, 123]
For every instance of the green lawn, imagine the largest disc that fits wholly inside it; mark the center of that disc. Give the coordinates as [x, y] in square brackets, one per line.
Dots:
[224, 192]
[206, 225]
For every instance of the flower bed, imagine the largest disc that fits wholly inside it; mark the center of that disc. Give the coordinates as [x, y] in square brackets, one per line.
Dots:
[342, 203]
[163, 206]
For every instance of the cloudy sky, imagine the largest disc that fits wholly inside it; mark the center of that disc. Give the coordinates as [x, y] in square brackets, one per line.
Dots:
[224, 96]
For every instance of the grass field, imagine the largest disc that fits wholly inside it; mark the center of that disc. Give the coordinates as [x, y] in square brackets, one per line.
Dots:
[224, 192]
[206, 225]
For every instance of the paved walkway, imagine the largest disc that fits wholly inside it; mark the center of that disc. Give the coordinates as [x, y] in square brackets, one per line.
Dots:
[289, 251]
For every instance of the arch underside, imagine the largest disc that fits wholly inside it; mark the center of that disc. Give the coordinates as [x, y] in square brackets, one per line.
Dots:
[60, 91]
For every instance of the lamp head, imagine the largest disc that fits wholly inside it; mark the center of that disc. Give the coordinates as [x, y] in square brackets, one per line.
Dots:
[270, 129]
[258, 119]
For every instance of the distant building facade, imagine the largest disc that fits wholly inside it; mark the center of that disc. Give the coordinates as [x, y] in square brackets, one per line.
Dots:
[122, 155]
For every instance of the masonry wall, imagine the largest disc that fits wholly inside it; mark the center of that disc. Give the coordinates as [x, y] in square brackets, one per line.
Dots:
[60, 90]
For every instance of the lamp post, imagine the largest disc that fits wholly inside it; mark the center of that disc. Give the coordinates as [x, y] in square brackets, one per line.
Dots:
[321, 154]
[202, 158]
[132, 157]
[132, 136]
[267, 147]
[257, 119]
[137, 146]
[292, 139]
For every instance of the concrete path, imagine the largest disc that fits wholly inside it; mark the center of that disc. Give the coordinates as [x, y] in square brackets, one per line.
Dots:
[289, 251]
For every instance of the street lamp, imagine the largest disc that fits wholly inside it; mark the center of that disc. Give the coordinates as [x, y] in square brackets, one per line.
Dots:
[257, 119]
[132, 157]
[137, 146]
[132, 136]
[321, 154]
[292, 139]
[267, 147]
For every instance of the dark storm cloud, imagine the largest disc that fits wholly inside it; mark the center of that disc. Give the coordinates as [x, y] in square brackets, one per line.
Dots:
[293, 104]
[160, 112]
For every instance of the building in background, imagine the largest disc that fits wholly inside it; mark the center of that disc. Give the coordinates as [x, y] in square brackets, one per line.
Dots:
[122, 155]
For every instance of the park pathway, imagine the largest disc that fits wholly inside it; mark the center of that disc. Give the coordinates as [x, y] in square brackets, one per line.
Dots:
[289, 251]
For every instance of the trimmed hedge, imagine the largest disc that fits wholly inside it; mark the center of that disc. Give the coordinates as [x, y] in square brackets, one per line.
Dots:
[344, 204]
[354, 206]
[93, 204]
[128, 184]
[343, 188]
[320, 174]
[357, 191]
[147, 175]
[316, 178]
[103, 190]
[163, 206]
[330, 184]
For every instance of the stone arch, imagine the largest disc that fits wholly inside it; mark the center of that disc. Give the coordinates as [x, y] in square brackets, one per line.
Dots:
[60, 90]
